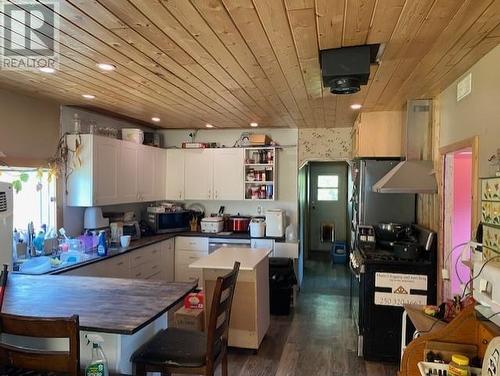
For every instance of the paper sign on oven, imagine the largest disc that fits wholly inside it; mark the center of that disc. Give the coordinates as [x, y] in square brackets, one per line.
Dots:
[401, 286]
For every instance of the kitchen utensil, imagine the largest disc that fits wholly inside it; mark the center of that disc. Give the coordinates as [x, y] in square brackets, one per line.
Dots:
[407, 250]
[390, 231]
[257, 228]
[239, 223]
[125, 240]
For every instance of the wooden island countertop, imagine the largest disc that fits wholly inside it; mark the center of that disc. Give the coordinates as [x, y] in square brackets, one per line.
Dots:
[109, 305]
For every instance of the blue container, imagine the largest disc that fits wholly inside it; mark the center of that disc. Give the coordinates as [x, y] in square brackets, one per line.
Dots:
[338, 253]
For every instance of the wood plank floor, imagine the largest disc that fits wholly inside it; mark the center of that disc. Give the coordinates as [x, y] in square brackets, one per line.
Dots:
[318, 338]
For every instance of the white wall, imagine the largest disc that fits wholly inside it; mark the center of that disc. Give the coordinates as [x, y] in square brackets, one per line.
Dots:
[29, 128]
[478, 113]
[287, 168]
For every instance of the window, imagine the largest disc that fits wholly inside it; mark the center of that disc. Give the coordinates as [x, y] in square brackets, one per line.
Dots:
[328, 188]
[36, 201]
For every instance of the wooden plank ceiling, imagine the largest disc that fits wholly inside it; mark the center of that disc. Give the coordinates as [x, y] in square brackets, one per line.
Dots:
[232, 62]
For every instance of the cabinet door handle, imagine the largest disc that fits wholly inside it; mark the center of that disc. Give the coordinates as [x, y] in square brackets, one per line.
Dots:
[154, 267]
[193, 258]
[209, 193]
[216, 194]
[119, 263]
[180, 195]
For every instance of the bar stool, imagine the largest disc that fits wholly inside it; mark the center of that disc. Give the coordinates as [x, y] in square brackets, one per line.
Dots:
[174, 350]
[19, 360]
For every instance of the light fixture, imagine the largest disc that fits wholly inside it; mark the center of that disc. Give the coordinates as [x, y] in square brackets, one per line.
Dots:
[46, 70]
[156, 119]
[209, 125]
[356, 106]
[106, 67]
[254, 125]
[88, 96]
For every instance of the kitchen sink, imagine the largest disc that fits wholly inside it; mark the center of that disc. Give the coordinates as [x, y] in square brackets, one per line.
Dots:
[42, 264]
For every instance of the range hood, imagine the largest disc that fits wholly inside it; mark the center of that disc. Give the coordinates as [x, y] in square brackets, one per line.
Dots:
[414, 175]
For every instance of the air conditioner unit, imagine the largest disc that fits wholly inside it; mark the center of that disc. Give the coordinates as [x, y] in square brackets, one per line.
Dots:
[6, 223]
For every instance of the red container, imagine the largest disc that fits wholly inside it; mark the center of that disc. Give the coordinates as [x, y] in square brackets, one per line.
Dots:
[194, 300]
[239, 224]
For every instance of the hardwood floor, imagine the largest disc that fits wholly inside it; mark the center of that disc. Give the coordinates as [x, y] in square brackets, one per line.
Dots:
[318, 338]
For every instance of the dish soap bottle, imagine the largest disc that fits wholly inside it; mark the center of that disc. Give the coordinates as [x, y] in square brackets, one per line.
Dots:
[102, 247]
[98, 365]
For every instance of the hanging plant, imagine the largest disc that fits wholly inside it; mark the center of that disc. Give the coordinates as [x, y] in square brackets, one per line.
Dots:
[56, 166]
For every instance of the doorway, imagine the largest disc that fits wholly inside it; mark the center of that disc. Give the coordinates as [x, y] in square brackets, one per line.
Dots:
[327, 205]
[460, 211]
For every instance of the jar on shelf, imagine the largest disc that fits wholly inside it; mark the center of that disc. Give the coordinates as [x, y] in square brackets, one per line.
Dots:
[262, 192]
[269, 174]
[270, 156]
[459, 365]
[250, 174]
[269, 192]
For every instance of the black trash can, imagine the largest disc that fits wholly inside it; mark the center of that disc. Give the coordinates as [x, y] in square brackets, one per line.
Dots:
[281, 281]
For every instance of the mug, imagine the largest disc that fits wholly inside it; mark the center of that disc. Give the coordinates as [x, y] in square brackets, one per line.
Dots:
[125, 241]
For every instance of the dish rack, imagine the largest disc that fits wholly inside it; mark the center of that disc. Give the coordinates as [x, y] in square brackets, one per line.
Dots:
[434, 368]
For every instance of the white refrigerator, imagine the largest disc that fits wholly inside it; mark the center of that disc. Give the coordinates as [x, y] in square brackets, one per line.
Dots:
[6, 223]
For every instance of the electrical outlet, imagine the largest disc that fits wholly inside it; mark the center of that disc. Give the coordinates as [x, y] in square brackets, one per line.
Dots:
[259, 210]
[446, 274]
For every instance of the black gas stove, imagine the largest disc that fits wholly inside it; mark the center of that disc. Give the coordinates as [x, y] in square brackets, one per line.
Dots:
[381, 284]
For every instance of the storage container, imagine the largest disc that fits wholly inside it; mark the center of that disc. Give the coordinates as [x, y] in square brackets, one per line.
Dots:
[212, 224]
[133, 135]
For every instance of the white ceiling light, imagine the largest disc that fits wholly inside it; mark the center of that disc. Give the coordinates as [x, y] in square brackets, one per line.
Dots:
[356, 106]
[106, 67]
[254, 125]
[88, 96]
[47, 70]
[156, 119]
[209, 125]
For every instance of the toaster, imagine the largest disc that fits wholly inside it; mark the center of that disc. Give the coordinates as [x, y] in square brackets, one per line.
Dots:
[212, 225]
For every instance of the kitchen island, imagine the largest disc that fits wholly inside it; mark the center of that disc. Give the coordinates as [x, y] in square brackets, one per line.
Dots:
[250, 315]
[125, 312]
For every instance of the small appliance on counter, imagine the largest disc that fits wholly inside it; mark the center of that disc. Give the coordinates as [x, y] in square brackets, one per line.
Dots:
[172, 221]
[275, 223]
[212, 225]
[239, 223]
[94, 220]
[257, 227]
[133, 229]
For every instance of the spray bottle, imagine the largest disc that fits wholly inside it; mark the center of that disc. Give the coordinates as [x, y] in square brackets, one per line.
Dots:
[98, 365]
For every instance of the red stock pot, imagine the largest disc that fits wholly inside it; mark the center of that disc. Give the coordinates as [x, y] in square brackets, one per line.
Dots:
[239, 223]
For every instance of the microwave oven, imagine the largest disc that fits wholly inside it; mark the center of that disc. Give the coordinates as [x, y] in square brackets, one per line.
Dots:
[169, 222]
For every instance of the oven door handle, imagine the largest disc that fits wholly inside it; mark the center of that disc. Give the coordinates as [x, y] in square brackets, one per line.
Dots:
[356, 274]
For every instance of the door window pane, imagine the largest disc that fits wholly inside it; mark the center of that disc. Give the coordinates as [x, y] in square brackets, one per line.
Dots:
[328, 194]
[328, 181]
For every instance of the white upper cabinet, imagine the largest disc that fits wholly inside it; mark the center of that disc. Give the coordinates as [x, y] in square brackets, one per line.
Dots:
[114, 172]
[127, 173]
[160, 174]
[228, 181]
[175, 174]
[146, 173]
[198, 174]
[105, 166]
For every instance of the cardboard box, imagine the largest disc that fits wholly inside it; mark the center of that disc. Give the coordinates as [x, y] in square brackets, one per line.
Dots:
[191, 319]
[259, 139]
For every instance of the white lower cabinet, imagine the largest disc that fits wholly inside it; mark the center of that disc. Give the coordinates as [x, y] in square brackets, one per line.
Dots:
[187, 251]
[263, 243]
[153, 262]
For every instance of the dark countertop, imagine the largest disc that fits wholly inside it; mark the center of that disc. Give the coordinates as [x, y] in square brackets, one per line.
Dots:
[110, 305]
[148, 240]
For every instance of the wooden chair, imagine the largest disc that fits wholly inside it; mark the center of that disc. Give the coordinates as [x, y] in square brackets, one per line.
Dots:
[174, 350]
[16, 359]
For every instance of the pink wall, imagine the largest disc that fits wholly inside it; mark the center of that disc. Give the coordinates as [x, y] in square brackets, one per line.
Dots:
[462, 212]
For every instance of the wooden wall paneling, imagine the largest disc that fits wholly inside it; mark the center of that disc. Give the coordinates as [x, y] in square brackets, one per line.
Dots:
[164, 67]
[479, 50]
[484, 25]
[440, 14]
[299, 4]
[247, 21]
[187, 15]
[272, 15]
[216, 16]
[385, 18]
[158, 13]
[330, 20]
[465, 17]
[412, 16]
[358, 16]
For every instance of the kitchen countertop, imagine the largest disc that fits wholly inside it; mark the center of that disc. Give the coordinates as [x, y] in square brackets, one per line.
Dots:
[224, 258]
[109, 305]
[92, 257]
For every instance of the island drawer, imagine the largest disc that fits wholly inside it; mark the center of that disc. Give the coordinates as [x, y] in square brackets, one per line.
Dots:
[191, 243]
[188, 257]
